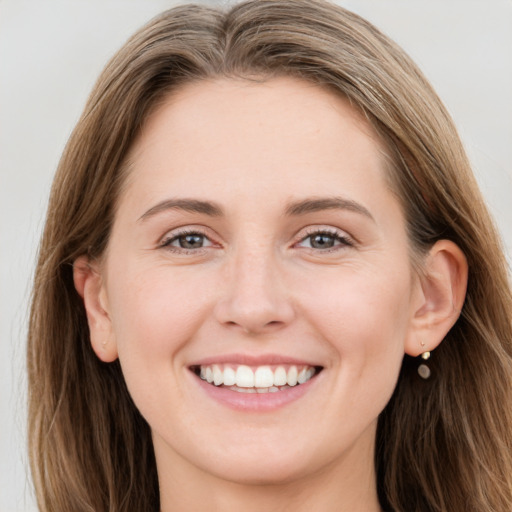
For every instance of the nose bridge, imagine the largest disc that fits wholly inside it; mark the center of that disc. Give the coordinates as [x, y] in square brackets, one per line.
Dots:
[254, 297]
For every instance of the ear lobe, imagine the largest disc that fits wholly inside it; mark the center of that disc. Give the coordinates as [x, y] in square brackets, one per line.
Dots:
[89, 285]
[443, 288]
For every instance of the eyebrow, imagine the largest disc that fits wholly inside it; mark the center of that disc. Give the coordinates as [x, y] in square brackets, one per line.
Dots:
[297, 208]
[188, 205]
[314, 204]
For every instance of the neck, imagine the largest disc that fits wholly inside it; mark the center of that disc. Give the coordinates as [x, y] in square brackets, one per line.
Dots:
[349, 486]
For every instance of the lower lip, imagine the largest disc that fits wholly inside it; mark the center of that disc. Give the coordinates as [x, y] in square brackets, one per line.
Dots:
[255, 402]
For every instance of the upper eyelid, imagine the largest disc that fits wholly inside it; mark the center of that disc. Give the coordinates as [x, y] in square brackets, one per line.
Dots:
[323, 229]
[186, 230]
[331, 230]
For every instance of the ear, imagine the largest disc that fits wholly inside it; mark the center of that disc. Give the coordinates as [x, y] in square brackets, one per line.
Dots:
[89, 285]
[442, 290]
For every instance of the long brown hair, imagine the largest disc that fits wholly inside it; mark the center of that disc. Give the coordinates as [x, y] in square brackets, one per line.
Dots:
[442, 445]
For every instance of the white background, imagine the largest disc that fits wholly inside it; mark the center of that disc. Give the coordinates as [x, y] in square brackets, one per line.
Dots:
[51, 52]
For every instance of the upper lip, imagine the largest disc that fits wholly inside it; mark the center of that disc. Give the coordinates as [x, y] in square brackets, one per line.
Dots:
[254, 360]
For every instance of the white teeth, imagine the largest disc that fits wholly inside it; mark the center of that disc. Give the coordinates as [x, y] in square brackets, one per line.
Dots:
[271, 389]
[218, 375]
[264, 377]
[280, 376]
[302, 377]
[229, 376]
[260, 391]
[291, 377]
[261, 380]
[244, 377]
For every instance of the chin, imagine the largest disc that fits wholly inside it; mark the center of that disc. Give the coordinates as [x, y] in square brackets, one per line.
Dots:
[265, 473]
[262, 468]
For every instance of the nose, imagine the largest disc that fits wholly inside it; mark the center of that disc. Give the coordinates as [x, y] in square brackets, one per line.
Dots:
[254, 297]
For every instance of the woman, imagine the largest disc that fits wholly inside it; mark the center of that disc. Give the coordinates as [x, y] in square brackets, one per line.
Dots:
[268, 280]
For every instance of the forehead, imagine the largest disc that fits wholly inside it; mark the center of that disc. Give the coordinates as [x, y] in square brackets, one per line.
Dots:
[247, 137]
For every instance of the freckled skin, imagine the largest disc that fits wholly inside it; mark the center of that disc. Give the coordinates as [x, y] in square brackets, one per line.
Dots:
[257, 286]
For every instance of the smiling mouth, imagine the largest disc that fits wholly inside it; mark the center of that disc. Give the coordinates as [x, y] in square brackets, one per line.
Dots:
[260, 379]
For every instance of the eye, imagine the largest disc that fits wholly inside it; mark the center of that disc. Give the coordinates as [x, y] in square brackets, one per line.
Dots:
[188, 241]
[324, 240]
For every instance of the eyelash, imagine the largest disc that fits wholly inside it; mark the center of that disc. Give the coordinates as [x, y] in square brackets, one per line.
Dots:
[342, 240]
[166, 242]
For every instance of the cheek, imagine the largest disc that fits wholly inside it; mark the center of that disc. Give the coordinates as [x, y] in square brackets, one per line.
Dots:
[364, 315]
[154, 313]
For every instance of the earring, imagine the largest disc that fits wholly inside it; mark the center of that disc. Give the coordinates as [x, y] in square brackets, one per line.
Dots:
[423, 370]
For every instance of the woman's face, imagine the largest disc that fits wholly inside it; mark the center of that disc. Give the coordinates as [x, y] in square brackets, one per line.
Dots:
[256, 239]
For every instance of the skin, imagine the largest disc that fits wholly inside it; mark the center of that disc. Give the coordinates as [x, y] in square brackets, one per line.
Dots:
[258, 286]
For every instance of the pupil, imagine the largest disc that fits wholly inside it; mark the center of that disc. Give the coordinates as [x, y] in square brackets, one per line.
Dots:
[191, 241]
[322, 241]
